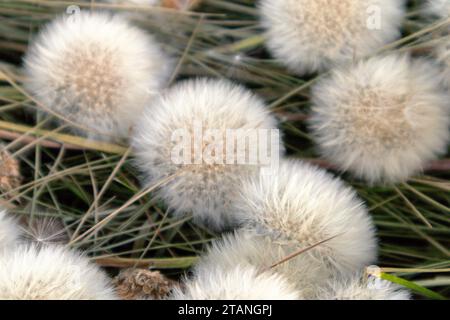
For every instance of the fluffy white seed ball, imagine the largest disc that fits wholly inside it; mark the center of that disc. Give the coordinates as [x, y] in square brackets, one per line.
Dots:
[96, 70]
[295, 207]
[441, 53]
[248, 249]
[439, 8]
[360, 288]
[238, 283]
[51, 273]
[9, 231]
[196, 115]
[310, 36]
[441, 49]
[383, 119]
[301, 205]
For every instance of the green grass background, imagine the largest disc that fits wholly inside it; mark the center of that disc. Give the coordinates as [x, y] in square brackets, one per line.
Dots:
[94, 190]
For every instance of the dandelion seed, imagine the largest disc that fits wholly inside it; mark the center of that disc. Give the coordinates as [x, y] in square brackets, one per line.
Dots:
[439, 8]
[383, 119]
[96, 70]
[207, 182]
[240, 282]
[294, 208]
[310, 36]
[51, 273]
[361, 288]
[301, 205]
[441, 49]
[44, 231]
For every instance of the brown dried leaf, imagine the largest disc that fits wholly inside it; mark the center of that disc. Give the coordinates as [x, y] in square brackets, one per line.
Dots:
[132, 284]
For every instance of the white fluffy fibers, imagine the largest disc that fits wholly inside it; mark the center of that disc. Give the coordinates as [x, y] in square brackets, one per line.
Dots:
[97, 71]
[310, 36]
[439, 8]
[362, 288]
[297, 206]
[238, 283]
[45, 231]
[441, 49]
[184, 136]
[247, 248]
[383, 119]
[51, 273]
[9, 231]
[441, 52]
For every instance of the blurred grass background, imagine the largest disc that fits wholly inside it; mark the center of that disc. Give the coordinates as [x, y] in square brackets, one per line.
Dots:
[93, 189]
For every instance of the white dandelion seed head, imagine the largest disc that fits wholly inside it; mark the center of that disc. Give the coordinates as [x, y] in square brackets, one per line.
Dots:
[51, 273]
[10, 232]
[251, 250]
[239, 282]
[247, 248]
[96, 70]
[311, 36]
[301, 205]
[441, 52]
[362, 288]
[292, 209]
[383, 119]
[438, 8]
[441, 47]
[207, 188]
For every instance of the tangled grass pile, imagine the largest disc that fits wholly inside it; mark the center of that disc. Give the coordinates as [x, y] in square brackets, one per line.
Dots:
[91, 189]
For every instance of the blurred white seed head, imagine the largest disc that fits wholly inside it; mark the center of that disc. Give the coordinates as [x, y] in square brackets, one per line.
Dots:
[441, 53]
[297, 207]
[205, 188]
[51, 273]
[239, 282]
[310, 36]
[439, 8]
[383, 119]
[248, 249]
[96, 70]
[9, 231]
[363, 288]
[441, 49]
[300, 205]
